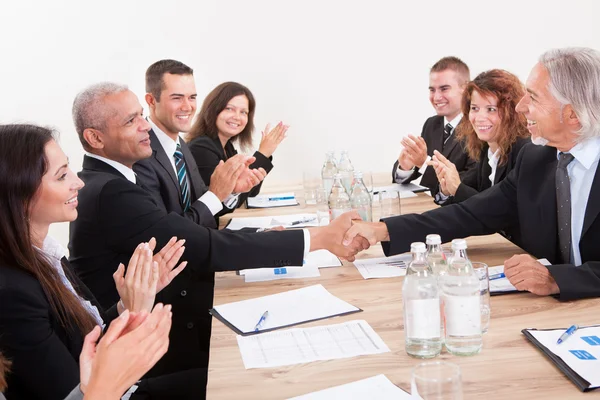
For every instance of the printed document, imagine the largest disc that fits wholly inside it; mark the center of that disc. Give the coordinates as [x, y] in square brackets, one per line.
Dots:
[272, 200]
[384, 267]
[287, 221]
[377, 387]
[501, 285]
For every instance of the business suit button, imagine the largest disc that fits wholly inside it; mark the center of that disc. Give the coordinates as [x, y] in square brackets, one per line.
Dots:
[183, 293]
[190, 325]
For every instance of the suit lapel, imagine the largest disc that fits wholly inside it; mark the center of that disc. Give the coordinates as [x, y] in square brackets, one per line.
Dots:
[198, 185]
[450, 144]
[547, 222]
[163, 159]
[500, 172]
[593, 205]
[437, 138]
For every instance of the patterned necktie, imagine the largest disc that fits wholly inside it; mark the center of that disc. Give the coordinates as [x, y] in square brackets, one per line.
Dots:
[182, 178]
[447, 133]
[563, 202]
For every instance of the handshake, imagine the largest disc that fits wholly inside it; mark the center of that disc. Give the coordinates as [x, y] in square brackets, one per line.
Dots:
[347, 235]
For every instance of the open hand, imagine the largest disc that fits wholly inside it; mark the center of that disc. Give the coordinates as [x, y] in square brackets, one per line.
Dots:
[526, 273]
[271, 138]
[414, 152]
[226, 174]
[446, 172]
[138, 286]
[167, 258]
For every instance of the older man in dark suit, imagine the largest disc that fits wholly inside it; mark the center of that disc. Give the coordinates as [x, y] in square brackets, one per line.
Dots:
[552, 196]
[447, 80]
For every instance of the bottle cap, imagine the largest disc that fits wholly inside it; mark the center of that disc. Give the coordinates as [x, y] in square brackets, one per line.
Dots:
[433, 239]
[417, 247]
[459, 244]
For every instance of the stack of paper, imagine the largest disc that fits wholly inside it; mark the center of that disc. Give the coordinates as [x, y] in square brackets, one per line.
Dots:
[285, 309]
[287, 221]
[295, 346]
[384, 267]
[272, 200]
[377, 387]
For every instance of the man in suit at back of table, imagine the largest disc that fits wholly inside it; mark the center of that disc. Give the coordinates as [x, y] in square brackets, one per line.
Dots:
[552, 196]
[171, 174]
[115, 213]
[447, 80]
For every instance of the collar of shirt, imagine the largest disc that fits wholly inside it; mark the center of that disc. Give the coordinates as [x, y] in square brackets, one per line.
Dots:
[493, 159]
[124, 170]
[585, 152]
[168, 144]
[454, 122]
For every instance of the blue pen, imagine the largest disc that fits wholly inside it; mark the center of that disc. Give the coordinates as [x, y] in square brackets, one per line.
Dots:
[497, 276]
[261, 321]
[281, 198]
[567, 333]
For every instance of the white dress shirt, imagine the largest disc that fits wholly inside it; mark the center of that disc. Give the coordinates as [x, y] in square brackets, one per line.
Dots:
[581, 176]
[402, 175]
[169, 145]
[493, 159]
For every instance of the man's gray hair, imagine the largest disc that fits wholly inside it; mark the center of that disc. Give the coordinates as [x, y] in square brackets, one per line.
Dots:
[88, 111]
[575, 80]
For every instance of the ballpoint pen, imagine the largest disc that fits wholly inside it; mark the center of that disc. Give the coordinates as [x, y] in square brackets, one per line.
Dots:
[281, 198]
[261, 321]
[567, 333]
[303, 221]
[497, 276]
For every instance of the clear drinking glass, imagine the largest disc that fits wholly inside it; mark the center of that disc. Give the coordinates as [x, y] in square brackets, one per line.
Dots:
[481, 270]
[390, 203]
[311, 180]
[322, 201]
[439, 380]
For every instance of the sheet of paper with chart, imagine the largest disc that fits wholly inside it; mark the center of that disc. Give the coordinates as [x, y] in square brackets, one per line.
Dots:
[377, 387]
[302, 345]
[272, 200]
[581, 351]
[502, 285]
[287, 221]
[285, 309]
[383, 267]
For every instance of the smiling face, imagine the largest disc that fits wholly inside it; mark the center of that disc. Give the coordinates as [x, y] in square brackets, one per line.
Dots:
[234, 117]
[545, 117]
[56, 198]
[445, 93]
[484, 117]
[174, 111]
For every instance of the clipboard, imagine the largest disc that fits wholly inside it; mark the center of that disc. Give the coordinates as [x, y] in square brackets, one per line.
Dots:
[581, 383]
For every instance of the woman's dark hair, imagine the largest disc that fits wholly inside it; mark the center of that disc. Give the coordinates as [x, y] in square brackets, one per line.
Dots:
[509, 90]
[4, 369]
[23, 163]
[214, 103]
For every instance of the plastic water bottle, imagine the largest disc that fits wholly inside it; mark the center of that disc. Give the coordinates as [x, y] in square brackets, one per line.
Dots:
[328, 171]
[339, 201]
[461, 299]
[360, 199]
[346, 169]
[439, 265]
[421, 300]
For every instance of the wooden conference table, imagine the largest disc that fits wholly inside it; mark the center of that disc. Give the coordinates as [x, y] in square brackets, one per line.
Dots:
[508, 366]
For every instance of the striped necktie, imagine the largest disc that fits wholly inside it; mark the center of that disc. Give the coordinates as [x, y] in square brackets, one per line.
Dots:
[182, 178]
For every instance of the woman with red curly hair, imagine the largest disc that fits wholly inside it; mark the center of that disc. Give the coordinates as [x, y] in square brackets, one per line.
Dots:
[494, 134]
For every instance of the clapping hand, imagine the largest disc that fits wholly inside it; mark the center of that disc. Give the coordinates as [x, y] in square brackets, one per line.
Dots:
[414, 152]
[446, 172]
[271, 138]
[167, 258]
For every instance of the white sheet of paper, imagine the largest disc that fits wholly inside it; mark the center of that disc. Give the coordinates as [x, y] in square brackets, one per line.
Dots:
[406, 190]
[580, 343]
[302, 345]
[503, 284]
[377, 387]
[286, 308]
[272, 274]
[287, 221]
[384, 267]
[315, 259]
[322, 259]
[273, 200]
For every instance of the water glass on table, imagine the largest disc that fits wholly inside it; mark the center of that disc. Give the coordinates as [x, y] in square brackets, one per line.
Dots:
[311, 180]
[439, 380]
[390, 203]
[322, 201]
[481, 270]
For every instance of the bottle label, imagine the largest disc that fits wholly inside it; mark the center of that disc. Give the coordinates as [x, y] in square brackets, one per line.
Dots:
[423, 319]
[462, 315]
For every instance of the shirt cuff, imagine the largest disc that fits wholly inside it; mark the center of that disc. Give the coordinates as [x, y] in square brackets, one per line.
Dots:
[440, 197]
[211, 201]
[424, 166]
[402, 175]
[306, 243]
[231, 201]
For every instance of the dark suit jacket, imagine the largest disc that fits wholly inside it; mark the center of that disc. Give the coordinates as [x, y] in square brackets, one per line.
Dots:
[433, 134]
[157, 175]
[524, 201]
[45, 354]
[208, 152]
[477, 179]
[116, 215]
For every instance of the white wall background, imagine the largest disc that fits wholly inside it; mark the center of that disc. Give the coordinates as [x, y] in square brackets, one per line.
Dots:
[343, 74]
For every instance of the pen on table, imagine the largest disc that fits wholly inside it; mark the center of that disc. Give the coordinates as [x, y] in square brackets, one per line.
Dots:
[497, 276]
[567, 333]
[303, 221]
[261, 321]
[281, 198]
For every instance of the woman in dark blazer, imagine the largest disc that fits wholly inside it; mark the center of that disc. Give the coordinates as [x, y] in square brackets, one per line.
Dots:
[493, 134]
[45, 310]
[227, 118]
